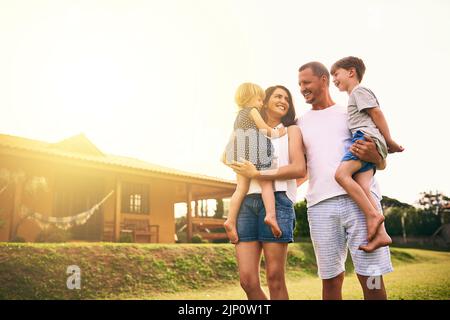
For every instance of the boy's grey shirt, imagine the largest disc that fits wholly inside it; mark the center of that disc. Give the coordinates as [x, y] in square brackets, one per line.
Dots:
[362, 98]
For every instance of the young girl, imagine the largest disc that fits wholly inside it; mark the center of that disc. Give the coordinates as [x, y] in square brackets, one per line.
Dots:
[365, 118]
[249, 142]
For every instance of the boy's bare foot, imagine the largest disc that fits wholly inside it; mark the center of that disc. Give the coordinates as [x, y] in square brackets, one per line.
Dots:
[394, 147]
[231, 231]
[273, 224]
[381, 239]
[373, 224]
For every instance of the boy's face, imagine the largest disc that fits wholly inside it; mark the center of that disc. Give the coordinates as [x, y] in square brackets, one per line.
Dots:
[341, 79]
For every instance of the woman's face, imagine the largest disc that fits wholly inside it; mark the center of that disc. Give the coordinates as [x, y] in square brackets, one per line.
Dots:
[278, 104]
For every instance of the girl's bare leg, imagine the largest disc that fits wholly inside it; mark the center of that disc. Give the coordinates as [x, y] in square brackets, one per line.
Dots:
[381, 239]
[238, 196]
[268, 198]
[344, 177]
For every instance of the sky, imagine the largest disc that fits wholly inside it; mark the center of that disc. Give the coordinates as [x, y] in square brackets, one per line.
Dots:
[155, 80]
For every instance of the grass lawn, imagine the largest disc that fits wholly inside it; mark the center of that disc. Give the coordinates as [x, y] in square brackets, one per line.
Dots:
[410, 281]
[189, 271]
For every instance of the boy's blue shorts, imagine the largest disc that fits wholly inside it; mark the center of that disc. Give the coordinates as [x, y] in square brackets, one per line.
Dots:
[359, 135]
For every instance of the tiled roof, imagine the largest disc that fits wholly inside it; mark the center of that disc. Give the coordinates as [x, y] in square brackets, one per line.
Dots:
[80, 148]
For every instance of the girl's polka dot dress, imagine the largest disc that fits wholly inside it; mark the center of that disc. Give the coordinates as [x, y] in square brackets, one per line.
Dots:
[249, 143]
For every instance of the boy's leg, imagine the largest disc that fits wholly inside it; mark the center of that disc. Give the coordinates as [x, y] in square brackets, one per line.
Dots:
[268, 198]
[373, 287]
[243, 183]
[381, 239]
[332, 288]
[344, 177]
[364, 179]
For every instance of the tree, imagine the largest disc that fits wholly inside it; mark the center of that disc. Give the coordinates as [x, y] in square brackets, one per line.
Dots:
[33, 186]
[5, 178]
[387, 202]
[435, 202]
[301, 217]
[393, 221]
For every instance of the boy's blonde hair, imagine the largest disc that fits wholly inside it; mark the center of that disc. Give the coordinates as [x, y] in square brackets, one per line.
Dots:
[246, 92]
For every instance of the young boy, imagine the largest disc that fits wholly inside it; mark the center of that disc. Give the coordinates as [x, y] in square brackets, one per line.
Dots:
[364, 118]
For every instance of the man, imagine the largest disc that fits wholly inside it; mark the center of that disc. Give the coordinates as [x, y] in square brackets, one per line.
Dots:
[336, 223]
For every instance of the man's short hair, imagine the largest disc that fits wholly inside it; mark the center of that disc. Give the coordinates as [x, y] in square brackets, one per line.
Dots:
[318, 69]
[350, 62]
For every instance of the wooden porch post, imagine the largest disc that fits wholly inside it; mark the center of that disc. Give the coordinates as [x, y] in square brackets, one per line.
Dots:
[189, 213]
[15, 213]
[196, 208]
[202, 209]
[118, 209]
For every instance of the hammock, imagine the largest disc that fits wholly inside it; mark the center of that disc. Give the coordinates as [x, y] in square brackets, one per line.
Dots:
[64, 222]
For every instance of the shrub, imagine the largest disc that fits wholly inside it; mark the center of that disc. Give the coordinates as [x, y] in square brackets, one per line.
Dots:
[53, 234]
[126, 237]
[18, 239]
[196, 238]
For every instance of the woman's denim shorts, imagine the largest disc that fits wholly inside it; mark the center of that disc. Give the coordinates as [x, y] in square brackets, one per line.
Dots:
[250, 222]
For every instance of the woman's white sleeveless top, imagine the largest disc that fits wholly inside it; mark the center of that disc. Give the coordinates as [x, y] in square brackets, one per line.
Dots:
[281, 148]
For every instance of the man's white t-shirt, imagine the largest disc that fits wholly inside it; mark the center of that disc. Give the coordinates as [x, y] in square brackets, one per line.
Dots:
[326, 138]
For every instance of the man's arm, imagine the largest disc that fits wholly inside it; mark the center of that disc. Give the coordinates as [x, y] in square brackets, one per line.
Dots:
[295, 169]
[367, 151]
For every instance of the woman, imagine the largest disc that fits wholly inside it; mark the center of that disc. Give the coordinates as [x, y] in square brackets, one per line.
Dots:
[255, 237]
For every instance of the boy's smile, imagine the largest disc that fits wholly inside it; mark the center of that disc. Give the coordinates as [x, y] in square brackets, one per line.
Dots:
[340, 79]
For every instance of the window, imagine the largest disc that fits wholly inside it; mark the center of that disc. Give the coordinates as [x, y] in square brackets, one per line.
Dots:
[135, 198]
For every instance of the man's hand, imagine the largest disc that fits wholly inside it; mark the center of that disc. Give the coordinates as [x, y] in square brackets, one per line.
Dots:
[367, 151]
[245, 168]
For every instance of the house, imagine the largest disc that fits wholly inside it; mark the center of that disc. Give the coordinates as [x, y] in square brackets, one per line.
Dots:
[99, 196]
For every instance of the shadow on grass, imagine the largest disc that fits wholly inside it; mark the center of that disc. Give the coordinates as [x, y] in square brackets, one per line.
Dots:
[419, 246]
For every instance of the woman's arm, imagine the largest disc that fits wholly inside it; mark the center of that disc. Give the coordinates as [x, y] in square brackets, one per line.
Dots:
[301, 181]
[261, 124]
[295, 169]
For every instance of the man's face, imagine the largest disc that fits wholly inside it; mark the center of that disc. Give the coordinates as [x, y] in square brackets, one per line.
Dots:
[311, 86]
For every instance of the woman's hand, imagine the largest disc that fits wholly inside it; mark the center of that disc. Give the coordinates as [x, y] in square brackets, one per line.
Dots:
[245, 168]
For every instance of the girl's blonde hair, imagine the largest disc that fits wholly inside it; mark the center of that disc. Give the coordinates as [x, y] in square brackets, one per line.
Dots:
[246, 92]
